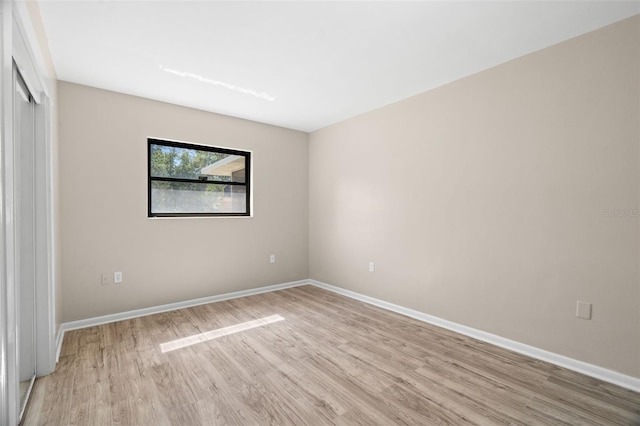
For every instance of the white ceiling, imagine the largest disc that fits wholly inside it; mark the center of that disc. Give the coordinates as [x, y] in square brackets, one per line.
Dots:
[302, 65]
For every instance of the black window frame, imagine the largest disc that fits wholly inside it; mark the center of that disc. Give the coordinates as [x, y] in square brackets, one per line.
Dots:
[246, 184]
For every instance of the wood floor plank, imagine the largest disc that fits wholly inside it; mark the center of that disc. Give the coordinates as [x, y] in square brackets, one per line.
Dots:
[357, 417]
[596, 389]
[321, 359]
[313, 389]
[584, 403]
[478, 401]
[92, 406]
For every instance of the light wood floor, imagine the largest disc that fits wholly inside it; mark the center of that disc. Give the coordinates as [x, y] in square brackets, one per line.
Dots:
[331, 360]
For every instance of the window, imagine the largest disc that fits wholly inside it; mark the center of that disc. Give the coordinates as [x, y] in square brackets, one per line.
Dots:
[195, 180]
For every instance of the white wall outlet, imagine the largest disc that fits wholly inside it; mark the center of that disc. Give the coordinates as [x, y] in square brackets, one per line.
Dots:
[272, 258]
[105, 278]
[117, 277]
[583, 310]
[372, 267]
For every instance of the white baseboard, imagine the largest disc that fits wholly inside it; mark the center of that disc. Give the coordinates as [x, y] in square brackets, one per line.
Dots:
[59, 339]
[105, 319]
[601, 373]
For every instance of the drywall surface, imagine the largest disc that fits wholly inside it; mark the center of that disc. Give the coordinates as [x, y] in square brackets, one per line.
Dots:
[104, 224]
[498, 201]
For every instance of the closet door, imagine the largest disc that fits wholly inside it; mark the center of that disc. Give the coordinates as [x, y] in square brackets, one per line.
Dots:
[24, 138]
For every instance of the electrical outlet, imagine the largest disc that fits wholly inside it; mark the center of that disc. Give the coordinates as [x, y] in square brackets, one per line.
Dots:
[272, 258]
[372, 267]
[105, 278]
[117, 277]
[583, 310]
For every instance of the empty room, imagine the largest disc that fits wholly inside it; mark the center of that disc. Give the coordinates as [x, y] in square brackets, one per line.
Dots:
[319, 212]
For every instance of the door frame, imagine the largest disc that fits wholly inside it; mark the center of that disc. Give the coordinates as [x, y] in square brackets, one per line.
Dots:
[18, 42]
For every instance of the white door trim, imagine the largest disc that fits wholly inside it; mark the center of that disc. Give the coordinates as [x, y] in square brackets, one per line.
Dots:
[45, 265]
[8, 378]
[18, 42]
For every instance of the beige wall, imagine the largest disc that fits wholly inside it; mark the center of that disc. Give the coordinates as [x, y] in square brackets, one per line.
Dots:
[484, 201]
[103, 190]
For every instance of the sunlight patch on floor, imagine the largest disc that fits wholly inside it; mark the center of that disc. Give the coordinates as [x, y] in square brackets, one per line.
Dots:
[220, 332]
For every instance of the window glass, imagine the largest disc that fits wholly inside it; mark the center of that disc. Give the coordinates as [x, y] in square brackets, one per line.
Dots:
[195, 180]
